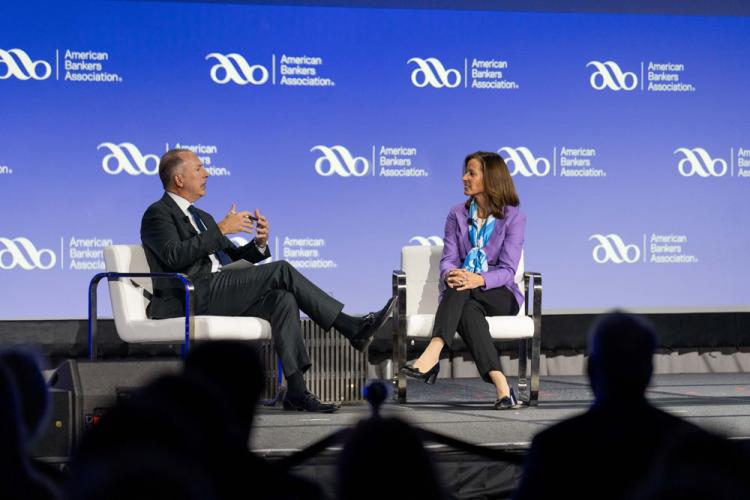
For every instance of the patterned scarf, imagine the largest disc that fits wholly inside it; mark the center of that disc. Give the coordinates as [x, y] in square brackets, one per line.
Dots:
[476, 260]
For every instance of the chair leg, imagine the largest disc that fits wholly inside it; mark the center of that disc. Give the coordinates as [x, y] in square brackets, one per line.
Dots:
[399, 359]
[523, 385]
[391, 372]
[385, 369]
[536, 347]
[400, 387]
[399, 336]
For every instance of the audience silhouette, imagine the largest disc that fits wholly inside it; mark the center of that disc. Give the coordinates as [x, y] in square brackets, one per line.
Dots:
[203, 418]
[186, 436]
[698, 465]
[217, 363]
[373, 444]
[610, 449]
[23, 410]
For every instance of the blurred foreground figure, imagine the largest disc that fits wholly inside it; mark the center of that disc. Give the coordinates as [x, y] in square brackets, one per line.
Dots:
[608, 451]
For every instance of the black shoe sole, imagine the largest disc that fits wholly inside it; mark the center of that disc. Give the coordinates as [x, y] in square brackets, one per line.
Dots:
[388, 312]
[428, 378]
[293, 407]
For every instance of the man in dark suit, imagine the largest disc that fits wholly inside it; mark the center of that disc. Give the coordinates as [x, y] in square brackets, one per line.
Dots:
[178, 237]
[609, 450]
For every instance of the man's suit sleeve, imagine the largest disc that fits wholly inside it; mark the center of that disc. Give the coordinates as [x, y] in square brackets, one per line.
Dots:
[248, 252]
[159, 234]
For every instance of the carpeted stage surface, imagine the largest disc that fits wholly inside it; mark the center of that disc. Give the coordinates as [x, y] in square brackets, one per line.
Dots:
[461, 408]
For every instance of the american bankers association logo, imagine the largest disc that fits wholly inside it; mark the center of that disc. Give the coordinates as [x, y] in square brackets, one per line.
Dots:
[612, 248]
[427, 241]
[21, 252]
[235, 68]
[18, 64]
[521, 160]
[697, 161]
[608, 75]
[125, 157]
[339, 161]
[431, 72]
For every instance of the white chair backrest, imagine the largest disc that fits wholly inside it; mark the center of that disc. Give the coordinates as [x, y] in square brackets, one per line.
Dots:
[422, 267]
[128, 302]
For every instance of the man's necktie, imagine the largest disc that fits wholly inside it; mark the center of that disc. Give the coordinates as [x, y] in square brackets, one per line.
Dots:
[220, 254]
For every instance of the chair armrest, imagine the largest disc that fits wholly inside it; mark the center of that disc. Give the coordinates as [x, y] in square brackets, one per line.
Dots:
[535, 279]
[399, 313]
[189, 304]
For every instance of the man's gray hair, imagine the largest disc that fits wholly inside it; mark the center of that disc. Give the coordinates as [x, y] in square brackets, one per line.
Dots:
[169, 163]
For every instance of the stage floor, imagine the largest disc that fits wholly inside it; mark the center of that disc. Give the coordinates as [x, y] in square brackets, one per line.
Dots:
[461, 408]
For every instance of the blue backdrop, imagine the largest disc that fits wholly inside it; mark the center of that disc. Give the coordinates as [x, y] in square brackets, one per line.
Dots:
[628, 137]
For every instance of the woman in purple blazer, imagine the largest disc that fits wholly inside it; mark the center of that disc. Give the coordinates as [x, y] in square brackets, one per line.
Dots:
[483, 241]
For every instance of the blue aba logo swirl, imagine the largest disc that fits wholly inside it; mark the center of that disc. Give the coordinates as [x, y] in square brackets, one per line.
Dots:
[236, 69]
[338, 160]
[609, 75]
[612, 248]
[128, 158]
[21, 252]
[698, 162]
[431, 72]
[19, 65]
[521, 160]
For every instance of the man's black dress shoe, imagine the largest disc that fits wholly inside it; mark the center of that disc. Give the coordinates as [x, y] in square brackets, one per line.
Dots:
[429, 377]
[308, 402]
[370, 324]
[508, 402]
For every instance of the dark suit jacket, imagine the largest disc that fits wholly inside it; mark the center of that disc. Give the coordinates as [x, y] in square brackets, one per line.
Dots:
[173, 245]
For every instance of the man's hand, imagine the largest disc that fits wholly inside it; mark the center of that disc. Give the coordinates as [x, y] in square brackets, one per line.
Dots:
[236, 222]
[261, 232]
[461, 280]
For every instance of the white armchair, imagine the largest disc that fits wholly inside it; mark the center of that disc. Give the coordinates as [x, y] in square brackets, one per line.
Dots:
[417, 286]
[130, 289]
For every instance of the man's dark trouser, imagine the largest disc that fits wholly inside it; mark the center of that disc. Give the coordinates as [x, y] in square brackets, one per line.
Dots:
[464, 312]
[275, 292]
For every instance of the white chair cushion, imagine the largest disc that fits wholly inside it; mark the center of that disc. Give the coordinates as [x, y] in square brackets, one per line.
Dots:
[206, 328]
[129, 308]
[501, 327]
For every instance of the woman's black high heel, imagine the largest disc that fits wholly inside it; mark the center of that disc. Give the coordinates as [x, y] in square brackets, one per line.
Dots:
[429, 377]
[509, 402]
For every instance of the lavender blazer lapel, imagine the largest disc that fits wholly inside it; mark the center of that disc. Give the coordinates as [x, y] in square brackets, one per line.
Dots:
[463, 232]
[492, 249]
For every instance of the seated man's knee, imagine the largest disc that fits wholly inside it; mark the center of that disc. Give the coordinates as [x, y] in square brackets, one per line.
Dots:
[282, 266]
[285, 300]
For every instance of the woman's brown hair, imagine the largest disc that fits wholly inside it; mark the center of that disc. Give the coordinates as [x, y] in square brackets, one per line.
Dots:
[498, 184]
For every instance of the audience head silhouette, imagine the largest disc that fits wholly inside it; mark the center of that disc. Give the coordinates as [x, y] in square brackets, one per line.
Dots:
[217, 363]
[371, 444]
[18, 478]
[174, 415]
[621, 348]
[33, 396]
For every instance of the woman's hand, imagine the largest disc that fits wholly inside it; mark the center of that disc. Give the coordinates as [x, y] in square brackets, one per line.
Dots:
[461, 279]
